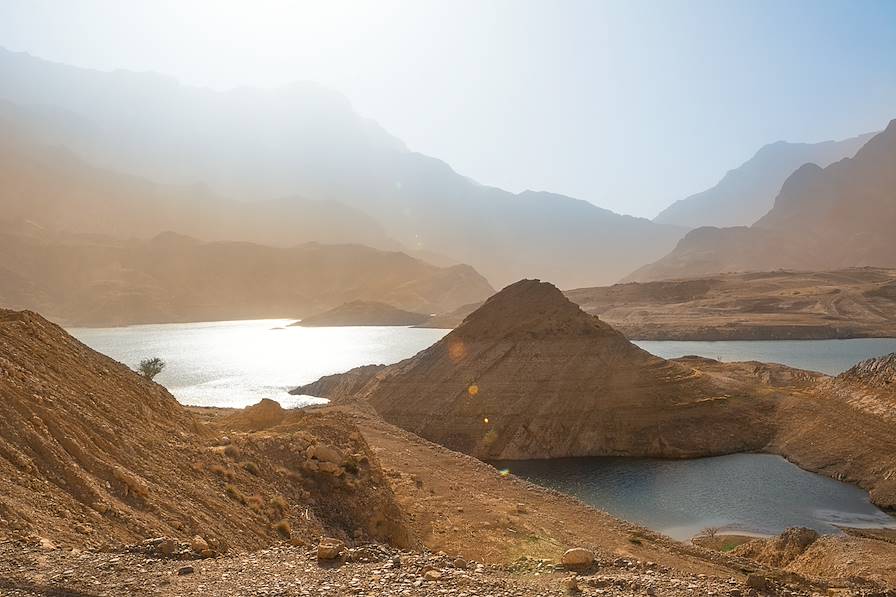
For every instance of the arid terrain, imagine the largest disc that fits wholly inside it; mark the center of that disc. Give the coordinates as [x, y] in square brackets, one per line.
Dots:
[531, 375]
[779, 305]
[110, 487]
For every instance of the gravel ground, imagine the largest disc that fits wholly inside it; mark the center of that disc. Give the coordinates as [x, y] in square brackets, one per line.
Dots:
[370, 571]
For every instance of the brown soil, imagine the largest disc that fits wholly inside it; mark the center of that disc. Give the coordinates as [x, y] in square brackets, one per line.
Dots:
[780, 305]
[91, 454]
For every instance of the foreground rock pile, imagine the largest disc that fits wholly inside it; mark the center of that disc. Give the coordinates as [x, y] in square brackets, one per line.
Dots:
[369, 570]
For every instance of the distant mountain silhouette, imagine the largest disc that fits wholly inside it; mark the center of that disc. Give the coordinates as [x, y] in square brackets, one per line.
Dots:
[303, 140]
[823, 219]
[55, 189]
[95, 280]
[746, 193]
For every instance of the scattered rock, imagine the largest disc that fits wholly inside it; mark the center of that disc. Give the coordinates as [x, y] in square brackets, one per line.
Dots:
[329, 548]
[184, 570]
[577, 556]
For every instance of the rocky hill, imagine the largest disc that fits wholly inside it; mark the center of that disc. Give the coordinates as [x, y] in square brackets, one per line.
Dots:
[92, 280]
[823, 219]
[363, 313]
[530, 375]
[91, 454]
[746, 193]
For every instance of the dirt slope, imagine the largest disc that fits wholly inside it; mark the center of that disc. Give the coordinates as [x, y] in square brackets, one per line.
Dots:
[92, 454]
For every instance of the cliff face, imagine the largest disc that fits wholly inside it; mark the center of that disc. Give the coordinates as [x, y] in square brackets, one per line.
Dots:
[93, 454]
[529, 375]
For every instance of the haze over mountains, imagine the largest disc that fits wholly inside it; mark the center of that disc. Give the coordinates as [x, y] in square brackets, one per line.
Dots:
[95, 280]
[251, 144]
[828, 218]
[746, 193]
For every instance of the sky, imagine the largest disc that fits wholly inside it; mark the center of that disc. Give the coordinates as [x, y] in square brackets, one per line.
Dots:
[630, 105]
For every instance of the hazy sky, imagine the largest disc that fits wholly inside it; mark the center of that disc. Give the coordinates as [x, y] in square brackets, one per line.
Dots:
[630, 105]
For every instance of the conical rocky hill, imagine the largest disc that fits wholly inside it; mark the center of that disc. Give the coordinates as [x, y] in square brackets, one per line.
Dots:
[93, 454]
[530, 375]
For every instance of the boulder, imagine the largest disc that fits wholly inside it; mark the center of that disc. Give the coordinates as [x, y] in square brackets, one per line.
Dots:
[329, 548]
[577, 556]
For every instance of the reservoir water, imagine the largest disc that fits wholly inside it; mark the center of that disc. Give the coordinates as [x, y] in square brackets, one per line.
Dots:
[238, 363]
[747, 493]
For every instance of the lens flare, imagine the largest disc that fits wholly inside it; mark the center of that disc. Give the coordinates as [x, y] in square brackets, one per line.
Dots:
[457, 350]
[485, 420]
[504, 472]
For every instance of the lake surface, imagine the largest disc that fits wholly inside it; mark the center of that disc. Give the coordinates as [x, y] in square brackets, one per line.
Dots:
[827, 356]
[237, 363]
[749, 493]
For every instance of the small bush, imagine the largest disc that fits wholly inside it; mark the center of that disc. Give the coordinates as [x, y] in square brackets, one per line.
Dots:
[232, 451]
[252, 468]
[256, 503]
[279, 502]
[234, 493]
[221, 471]
[283, 529]
[149, 368]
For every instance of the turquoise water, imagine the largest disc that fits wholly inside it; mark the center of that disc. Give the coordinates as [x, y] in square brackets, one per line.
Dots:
[748, 493]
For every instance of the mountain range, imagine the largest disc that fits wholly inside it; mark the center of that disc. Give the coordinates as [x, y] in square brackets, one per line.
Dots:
[828, 218]
[746, 193]
[302, 140]
[103, 281]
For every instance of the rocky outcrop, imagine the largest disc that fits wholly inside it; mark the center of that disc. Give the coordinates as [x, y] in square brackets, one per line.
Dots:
[93, 454]
[529, 375]
[363, 313]
[879, 372]
[340, 386]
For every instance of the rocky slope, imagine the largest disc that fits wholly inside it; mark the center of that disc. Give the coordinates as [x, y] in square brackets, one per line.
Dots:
[363, 313]
[91, 454]
[746, 193]
[529, 375]
[823, 218]
[92, 280]
[779, 305]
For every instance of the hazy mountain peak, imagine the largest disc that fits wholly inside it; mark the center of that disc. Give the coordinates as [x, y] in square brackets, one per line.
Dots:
[747, 192]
